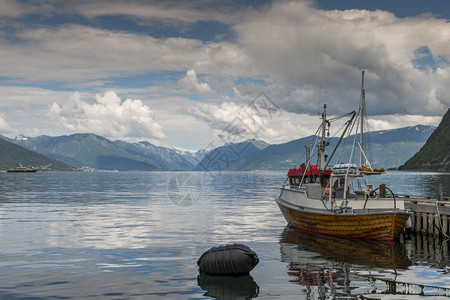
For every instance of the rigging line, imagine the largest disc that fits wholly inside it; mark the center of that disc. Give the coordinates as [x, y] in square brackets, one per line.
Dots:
[315, 143]
[349, 122]
[340, 117]
[308, 163]
[354, 141]
[369, 141]
[364, 147]
[301, 156]
[303, 171]
[347, 139]
[342, 127]
[303, 176]
[339, 130]
[334, 135]
[314, 151]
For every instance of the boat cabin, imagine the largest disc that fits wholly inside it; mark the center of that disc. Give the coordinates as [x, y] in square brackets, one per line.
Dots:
[308, 175]
[339, 179]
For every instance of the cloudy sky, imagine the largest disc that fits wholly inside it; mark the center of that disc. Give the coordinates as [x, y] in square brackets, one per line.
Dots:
[189, 74]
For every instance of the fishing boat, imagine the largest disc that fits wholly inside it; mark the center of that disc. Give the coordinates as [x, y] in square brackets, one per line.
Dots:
[338, 200]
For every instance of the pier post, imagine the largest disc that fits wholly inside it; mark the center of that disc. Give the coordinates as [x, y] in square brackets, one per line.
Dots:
[440, 192]
[430, 228]
[444, 249]
[417, 222]
[424, 228]
[437, 225]
[382, 190]
[444, 226]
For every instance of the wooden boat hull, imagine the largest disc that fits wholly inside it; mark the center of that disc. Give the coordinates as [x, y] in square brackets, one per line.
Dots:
[381, 225]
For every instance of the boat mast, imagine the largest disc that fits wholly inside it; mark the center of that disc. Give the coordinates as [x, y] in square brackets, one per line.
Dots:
[361, 115]
[323, 141]
[348, 123]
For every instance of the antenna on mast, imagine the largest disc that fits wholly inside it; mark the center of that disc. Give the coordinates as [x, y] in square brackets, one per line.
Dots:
[319, 110]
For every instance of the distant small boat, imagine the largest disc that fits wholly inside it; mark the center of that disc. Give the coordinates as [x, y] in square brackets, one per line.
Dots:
[21, 169]
[369, 171]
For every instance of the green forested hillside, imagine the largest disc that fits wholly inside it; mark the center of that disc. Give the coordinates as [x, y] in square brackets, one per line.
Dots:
[435, 154]
[12, 155]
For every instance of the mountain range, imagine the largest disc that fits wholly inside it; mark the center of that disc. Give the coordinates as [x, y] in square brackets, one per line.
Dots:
[390, 148]
[166, 158]
[222, 157]
[90, 151]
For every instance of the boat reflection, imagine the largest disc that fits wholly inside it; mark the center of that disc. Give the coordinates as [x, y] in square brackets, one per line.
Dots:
[328, 266]
[228, 287]
[353, 251]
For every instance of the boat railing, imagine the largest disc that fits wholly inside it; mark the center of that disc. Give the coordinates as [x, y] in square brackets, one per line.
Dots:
[382, 194]
[295, 188]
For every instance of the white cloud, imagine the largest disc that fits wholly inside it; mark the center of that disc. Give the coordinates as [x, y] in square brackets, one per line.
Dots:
[109, 117]
[233, 122]
[25, 109]
[313, 51]
[230, 118]
[191, 83]
[80, 53]
[397, 121]
[299, 55]
[167, 11]
[10, 8]
[304, 54]
[4, 126]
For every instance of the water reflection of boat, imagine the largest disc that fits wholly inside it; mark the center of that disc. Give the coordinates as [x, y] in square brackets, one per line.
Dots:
[328, 267]
[228, 287]
[360, 252]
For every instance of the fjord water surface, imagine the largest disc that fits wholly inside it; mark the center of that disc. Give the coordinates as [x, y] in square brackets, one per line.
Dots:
[138, 235]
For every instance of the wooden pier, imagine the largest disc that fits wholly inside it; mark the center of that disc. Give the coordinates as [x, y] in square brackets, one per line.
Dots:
[429, 216]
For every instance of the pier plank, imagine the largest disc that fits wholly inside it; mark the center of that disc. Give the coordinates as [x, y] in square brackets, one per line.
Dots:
[428, 208]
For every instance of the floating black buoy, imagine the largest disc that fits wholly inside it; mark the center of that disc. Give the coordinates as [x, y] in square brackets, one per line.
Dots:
[234, 260]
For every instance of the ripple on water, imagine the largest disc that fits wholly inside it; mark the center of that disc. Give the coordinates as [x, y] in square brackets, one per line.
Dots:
[119, 235]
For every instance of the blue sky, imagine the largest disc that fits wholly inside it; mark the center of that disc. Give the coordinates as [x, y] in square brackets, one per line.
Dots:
[177, 73]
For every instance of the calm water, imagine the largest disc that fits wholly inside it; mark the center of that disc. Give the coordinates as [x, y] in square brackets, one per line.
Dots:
[135, 235]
